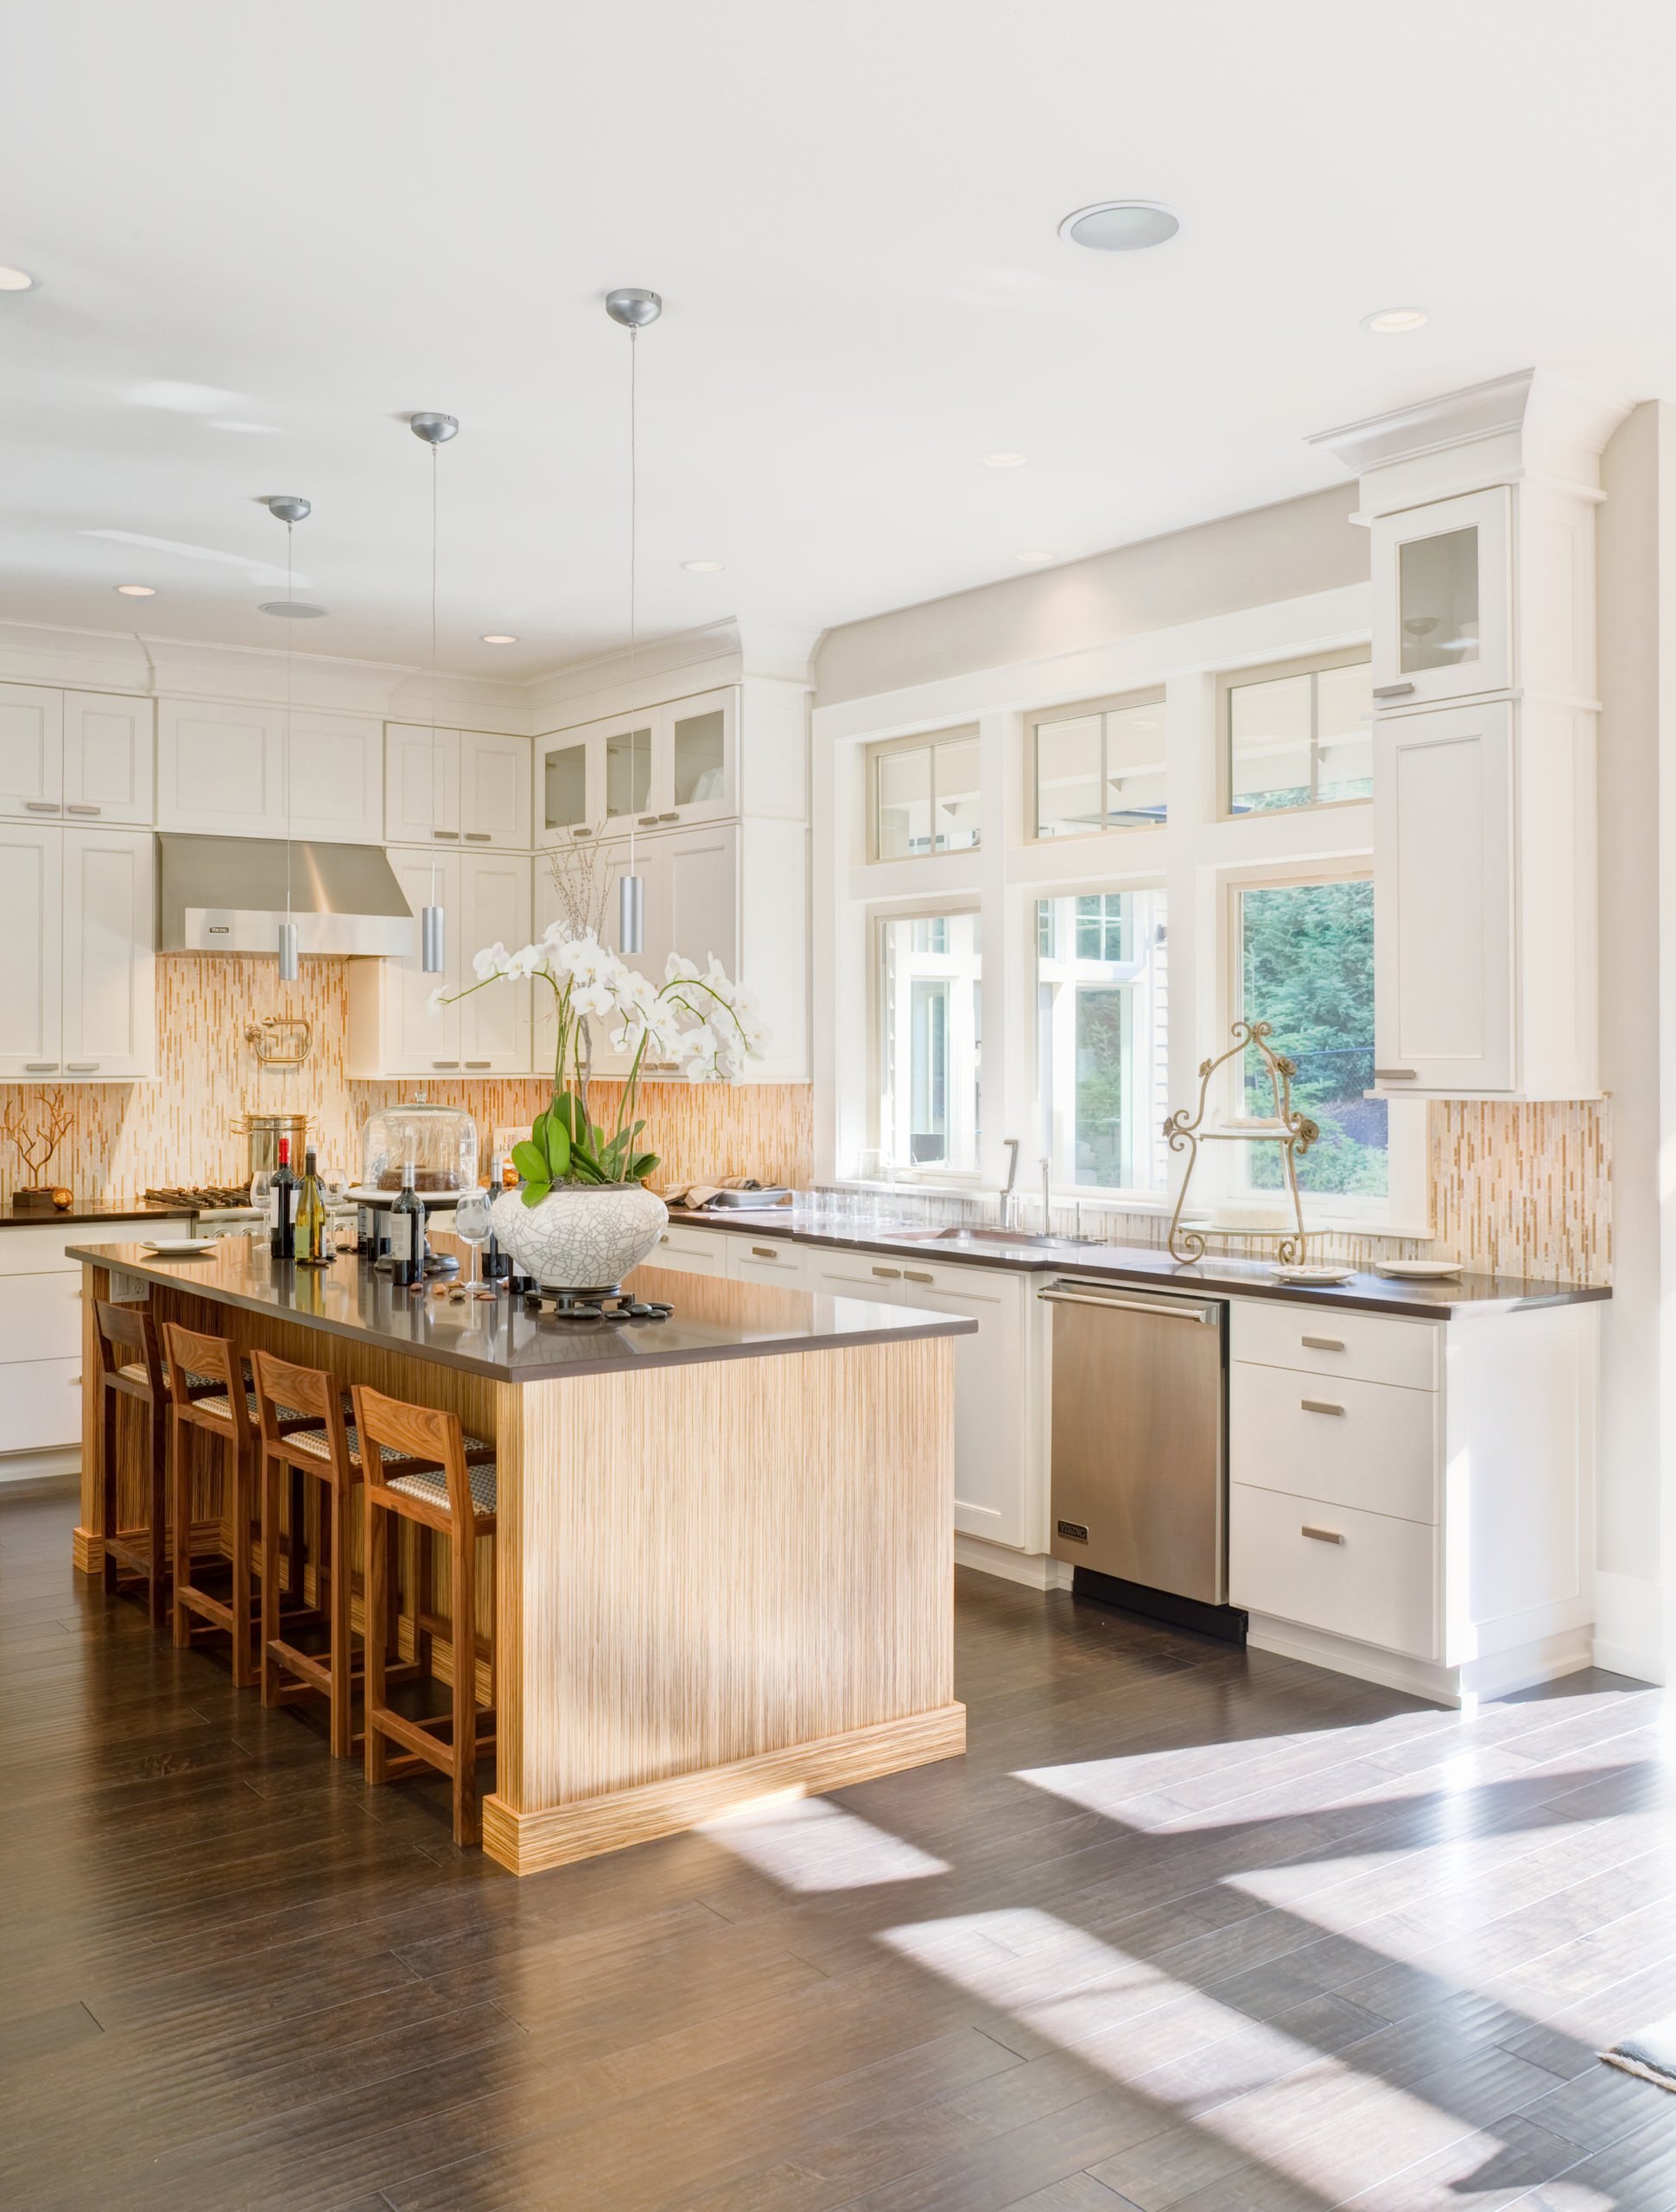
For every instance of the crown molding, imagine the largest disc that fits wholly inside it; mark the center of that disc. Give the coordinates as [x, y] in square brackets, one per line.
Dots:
[1534, 406]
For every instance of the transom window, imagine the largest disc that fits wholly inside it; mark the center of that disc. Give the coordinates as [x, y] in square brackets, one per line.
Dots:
[1099, 766]
[1102, 1081]
[924, 795]
[1299, 735]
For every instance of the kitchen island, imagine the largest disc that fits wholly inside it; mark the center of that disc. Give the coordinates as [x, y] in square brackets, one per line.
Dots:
[724, 1545]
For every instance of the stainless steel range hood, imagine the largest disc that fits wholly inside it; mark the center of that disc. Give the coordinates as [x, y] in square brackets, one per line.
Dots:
[227, 895]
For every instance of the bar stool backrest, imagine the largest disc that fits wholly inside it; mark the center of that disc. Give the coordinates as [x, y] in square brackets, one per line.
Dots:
[213, 1361]
[284, 1389]
[128, 1338]
[417, 1433]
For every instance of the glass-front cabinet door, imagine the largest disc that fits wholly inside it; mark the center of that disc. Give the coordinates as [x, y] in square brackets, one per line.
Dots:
[563, 798]
[1442, 601]
[700, 749]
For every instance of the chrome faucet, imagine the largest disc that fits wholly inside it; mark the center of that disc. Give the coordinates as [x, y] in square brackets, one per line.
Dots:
[1007, 1218]
[1047, 1197]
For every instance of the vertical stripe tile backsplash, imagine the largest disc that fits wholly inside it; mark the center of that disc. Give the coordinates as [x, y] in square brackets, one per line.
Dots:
[1517, 1190]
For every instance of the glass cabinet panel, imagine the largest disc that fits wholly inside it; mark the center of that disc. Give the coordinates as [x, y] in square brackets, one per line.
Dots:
[628, 772]
[699, 749]
[564, 786]
[1438, 601]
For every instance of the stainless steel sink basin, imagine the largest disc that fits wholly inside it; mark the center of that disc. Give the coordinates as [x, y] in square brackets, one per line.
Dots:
[966, 1233]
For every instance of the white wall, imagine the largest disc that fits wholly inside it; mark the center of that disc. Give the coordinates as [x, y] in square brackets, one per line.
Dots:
[1636, 1625]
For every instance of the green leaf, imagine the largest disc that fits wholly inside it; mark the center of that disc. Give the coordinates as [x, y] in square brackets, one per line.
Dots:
[642, 1167]
[558, 1150]
[530, 1162]
[534, 1193]
[538, 1134]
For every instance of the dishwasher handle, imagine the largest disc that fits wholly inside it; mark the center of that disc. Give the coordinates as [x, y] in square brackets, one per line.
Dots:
[1170, 1309]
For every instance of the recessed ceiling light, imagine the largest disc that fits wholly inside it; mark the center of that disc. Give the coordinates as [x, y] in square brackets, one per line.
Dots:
[138, 591]
[1390, 322]
[290, 610]
[1003, 460]
[700, 568]
[498, 638]
[15, 280]
[1035, 556]
[1120, 225]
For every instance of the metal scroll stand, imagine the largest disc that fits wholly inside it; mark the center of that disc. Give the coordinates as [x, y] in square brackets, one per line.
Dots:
[1294, 1132]
[264, 1039]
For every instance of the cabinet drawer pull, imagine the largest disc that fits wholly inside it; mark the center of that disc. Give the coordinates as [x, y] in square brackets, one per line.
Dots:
[480, 836]
[917, 1275]
[763, 1252]
[445, 832]
[1322, 1344]
[648, 821]
[673, 815]
[1392, 690]
[479, 1064]
[73, 807]
[41, 1067]
[1322, 1535]
[576, 829]
[888, 1274]
[445, 1063]
[1319, 1406]
[42, 806]
[80, 1067]
[1394, 1075]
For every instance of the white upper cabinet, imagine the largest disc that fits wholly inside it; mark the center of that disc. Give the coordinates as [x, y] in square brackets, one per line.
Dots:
[77, 911]
[110, 1026]
[452, 786]
[83, 755]
[32, 929]
[493, 908]
[1443, 622]
[222, 770]
[659, 768]
[392, 1031]
[1444, 921]
[700, 749]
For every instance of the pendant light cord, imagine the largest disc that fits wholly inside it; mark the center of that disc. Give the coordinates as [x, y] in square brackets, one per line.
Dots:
[634, 673]
[290, 528]
[434, 775]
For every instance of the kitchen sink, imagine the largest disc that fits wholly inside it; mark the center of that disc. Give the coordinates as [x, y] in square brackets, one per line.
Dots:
[965, 1233]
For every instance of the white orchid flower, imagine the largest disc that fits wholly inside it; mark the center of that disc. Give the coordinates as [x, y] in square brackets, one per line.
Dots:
[439, 997]
[679, 970]
[490, 960]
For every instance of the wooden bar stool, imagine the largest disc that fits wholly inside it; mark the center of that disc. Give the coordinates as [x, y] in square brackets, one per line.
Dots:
[131, 1366]
[328, 1452]
[417, 1466]
[208, 1391]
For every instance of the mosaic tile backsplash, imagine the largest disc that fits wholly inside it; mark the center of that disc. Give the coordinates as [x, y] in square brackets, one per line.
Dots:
[1515, 1190]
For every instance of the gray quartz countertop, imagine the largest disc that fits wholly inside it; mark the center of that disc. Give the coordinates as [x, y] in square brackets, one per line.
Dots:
[83, 1210]
[1153, 1268]
[502, 1338]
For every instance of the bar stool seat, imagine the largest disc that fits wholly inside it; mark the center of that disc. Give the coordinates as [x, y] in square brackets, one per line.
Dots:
[445, 1486]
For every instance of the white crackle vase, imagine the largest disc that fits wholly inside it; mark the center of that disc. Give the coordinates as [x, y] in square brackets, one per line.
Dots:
[582, 1236]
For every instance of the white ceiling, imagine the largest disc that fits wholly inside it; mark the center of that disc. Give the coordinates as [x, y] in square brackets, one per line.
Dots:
[325, 216]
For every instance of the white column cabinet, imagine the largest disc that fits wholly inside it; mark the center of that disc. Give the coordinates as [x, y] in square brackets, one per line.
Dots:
[492, 906]
[453, 786]
[32, 929]
[79, 755]
[393, 1032]
[31, 749]
[494, 791]
[1442, 586]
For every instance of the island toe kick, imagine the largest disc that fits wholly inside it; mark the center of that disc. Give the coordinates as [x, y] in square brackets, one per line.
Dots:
[719, 1582]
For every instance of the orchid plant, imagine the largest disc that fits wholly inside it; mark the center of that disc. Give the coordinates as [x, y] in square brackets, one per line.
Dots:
[706, 1025]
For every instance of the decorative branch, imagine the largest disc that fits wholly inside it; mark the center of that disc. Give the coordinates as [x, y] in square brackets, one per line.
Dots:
[36, 1146]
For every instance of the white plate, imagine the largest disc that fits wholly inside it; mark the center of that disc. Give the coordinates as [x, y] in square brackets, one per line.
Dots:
[1418, 1270]
[1312, 1275]
[180, 1248]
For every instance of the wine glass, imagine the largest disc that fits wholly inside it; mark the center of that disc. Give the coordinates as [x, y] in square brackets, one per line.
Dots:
[471, 1226]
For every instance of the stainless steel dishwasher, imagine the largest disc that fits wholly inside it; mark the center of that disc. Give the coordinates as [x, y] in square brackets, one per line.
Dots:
[1139, 1448]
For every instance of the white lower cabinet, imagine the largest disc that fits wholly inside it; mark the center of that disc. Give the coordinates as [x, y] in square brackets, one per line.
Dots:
[41, 1366]
[993, 1462]
[1412, 1500]
[688, 1251]
[771, 1262]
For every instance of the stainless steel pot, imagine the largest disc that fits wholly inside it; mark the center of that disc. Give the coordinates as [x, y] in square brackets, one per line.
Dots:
[262, 1134]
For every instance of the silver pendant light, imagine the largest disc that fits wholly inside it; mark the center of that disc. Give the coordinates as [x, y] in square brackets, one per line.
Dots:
[633, 308]
[291, 510]
[435, 431]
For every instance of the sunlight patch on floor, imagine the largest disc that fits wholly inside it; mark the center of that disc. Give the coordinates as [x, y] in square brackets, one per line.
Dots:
[809, 1844]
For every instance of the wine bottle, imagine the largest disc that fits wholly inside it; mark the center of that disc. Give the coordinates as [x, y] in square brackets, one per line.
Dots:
[407, 1236]
[495, 1262]
[282, 1207]
[313, 1243]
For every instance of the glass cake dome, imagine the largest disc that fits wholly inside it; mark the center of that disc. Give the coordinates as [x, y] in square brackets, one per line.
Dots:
[441, 1142]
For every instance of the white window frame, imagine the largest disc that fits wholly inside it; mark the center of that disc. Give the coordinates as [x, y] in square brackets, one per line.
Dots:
[1119, 1199]
[930, 1174]
[1230, 680]
[1151, 695]
[1403, 1210]
[926, 741]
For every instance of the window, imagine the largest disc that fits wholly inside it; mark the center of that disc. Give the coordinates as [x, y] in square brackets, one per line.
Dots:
[1298, 736]
[1099, 766]
[931, 1008]
[1304, 962]
[926, 795]
[1101, 1078]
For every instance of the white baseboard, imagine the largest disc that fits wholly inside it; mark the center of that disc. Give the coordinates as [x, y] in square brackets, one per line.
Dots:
[1461, 1688]
[1034, 1569]
[1629, 1626]
[30, 1466]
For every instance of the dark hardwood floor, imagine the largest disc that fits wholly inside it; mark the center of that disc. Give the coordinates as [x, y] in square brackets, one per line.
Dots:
[1186, 1927]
